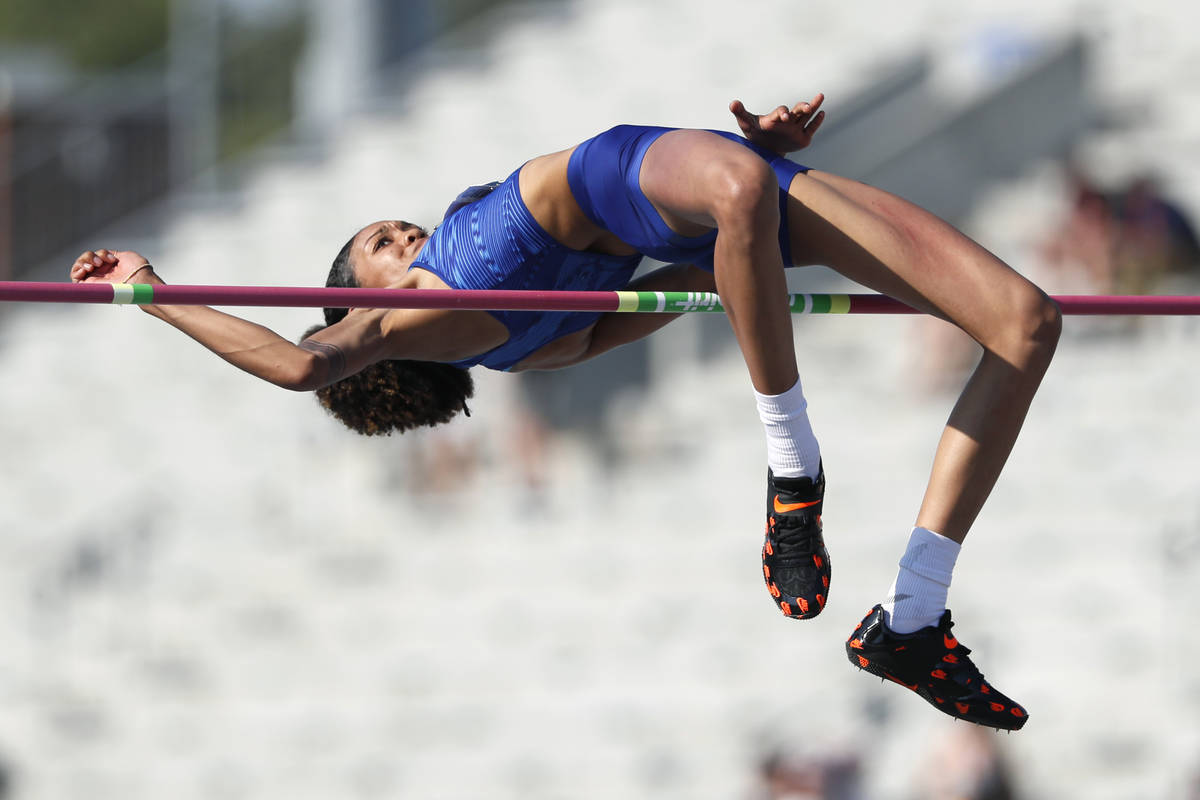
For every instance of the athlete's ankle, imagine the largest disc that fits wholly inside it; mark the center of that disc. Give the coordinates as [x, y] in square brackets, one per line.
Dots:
[792, 449]
[918, 595]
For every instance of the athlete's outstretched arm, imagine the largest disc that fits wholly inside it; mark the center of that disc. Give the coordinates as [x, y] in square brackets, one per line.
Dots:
[783, 130]
[324, 359]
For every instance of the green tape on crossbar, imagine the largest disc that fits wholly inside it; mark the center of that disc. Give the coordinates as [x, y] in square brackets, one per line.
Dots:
[668, 302]
[135, 293]
[688, 302]
[651, 301]
[683, 302]
[143, 294]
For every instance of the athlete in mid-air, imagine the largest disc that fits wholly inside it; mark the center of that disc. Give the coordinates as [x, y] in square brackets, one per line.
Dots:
[727, 212]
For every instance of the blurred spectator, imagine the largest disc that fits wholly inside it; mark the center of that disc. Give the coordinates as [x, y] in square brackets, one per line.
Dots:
[445, 459]
[1080, 250]
[510, 437]
[966, 765]
[1131, 241]
[942, 356]
[530, 437]
[1123, 243]
[1154, 239]
[813, 778]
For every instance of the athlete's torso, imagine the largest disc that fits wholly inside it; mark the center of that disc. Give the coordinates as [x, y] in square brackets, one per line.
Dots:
[497, 243]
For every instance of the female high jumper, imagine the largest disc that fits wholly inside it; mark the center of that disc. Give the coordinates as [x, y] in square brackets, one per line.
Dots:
[726, 212]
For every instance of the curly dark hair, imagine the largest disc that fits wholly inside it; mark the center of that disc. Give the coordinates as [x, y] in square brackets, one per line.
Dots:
[390, 396]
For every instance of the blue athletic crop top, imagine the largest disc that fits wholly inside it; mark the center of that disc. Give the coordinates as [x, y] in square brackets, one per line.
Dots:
[495, 243]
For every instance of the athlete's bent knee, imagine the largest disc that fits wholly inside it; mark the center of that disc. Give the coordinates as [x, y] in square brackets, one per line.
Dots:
[746, 195]
[1036, 326]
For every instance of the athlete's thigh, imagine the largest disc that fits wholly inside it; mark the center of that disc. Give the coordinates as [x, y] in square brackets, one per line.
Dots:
[684, 171]
[895, 247]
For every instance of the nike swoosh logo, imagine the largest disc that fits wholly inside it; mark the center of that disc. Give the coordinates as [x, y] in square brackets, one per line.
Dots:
[911, 686]
[783, 508]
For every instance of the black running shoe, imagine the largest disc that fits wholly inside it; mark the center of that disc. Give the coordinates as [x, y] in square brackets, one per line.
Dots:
[795, 562]
[933, 664]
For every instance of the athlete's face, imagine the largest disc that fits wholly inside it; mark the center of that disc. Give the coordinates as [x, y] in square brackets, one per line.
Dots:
[383, 251]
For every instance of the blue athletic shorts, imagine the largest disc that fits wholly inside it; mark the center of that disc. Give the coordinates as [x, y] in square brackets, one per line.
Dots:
[604, 172]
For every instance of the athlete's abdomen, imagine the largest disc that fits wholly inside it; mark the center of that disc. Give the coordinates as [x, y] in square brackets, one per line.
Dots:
[495, 243]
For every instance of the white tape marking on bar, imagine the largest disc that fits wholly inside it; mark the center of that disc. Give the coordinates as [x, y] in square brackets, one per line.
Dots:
[122, 293]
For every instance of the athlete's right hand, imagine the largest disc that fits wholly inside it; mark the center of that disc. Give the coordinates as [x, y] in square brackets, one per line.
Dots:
[112, 266]
[784, 130]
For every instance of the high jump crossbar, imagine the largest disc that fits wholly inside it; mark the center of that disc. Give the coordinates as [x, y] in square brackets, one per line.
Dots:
[525, 300]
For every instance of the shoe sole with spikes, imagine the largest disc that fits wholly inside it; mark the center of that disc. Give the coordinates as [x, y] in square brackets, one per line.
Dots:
[934, 665]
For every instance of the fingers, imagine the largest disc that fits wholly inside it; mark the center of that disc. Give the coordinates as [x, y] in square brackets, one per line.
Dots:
[745, 119]
[105, 265]
[782, 129]
[805, 115]
[93, 261]
[805, 109]
[809, 117]
[809, 114]
[811, 127]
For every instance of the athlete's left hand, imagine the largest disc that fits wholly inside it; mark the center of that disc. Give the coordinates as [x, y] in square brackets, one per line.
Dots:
[784, 129]
[112, 266]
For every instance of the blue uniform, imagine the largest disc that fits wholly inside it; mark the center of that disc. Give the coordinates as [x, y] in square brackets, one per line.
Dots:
[495, 243]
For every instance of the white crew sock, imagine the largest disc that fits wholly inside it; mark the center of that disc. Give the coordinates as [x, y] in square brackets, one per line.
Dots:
[792, 450]
[918, 595]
